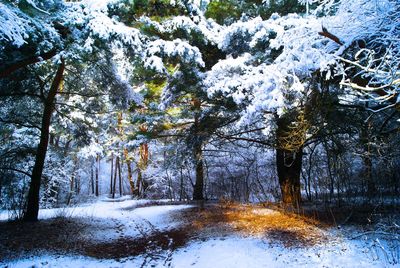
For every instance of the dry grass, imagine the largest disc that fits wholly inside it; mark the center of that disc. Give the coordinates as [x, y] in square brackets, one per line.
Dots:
[58, 235]
[289, 229]
[125, 247]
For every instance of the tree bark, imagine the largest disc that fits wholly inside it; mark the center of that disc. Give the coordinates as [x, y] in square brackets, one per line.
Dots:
[130, 178]
[198, 153]
[120, 177]
[139, 182]
[199, 184]
[97, 175]
[111, 179]
[32, 209]
[115, 178]
[181, 186]
[289, 168]
[141, 185]
[92, 175]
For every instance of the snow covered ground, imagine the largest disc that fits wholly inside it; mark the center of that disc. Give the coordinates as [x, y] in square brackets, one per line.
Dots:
[226, 253]
[131, 218]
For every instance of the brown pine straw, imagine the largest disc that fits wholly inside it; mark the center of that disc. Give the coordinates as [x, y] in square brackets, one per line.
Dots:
[286, 228]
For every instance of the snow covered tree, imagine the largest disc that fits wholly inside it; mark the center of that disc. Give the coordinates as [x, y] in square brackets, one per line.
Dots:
[182, 50]
[34, 30]
[271, 67]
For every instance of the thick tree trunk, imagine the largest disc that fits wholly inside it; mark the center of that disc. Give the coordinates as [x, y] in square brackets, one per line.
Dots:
[289, 168]
[198, 153]
[291, 136]
[199, 184]
[32, 209]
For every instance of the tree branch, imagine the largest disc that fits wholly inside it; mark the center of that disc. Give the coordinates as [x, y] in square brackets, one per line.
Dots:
[16, 170]
[333, 37]
[18, 65]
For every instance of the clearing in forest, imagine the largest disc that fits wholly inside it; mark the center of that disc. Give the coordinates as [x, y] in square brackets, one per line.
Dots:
[158, 234]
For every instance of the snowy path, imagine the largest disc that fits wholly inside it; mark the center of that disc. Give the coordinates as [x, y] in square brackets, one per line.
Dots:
[226, 253]
[114, 226]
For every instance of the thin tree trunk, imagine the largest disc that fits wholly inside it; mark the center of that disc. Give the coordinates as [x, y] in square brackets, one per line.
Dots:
[130, 178]
[181, 186]
[92, 175]
[71, 188]
[143, 161]
[97, 174]
[75, 176]
[139, 183]
[111, 179]
[115, 178]
[120, 177]
[32, 209]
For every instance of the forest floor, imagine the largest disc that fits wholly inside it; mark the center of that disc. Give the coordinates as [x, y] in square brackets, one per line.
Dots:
[145, 233]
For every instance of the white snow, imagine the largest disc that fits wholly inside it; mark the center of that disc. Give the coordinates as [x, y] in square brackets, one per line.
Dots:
[14, 28]
[108, 210]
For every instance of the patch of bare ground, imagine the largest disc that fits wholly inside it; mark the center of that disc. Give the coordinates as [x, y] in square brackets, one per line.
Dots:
[287, 228]
[126, 247]
[57, 235]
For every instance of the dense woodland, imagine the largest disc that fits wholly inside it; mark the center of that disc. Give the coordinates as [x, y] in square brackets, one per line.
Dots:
[242, 100]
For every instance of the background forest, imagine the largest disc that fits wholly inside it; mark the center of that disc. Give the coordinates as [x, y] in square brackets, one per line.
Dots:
[242, 100]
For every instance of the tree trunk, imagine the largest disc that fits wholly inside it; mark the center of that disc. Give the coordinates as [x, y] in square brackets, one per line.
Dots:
[130, 178]
[120, 177]
[92, 175]
[199, 184]
[290, 138]
[111, 179]
[181, 186]
[289, 168]
[198, 153]
[141, 185]
[97, 174]
[115, 178]
[32, 209]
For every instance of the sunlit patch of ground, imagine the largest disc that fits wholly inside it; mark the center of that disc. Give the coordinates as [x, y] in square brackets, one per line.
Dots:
[288, 229]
